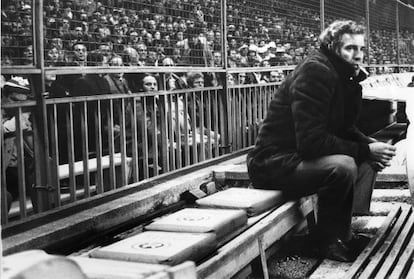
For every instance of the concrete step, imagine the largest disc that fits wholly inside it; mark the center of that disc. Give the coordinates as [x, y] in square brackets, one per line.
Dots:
[391, 195]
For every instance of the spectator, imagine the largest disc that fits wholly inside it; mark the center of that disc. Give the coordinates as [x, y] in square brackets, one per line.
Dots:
[53, 57]
[28, 55]
[17, 90]
[116, 81]
[142, 54]
[233, 59]
[242, 78]
[80, 55]
[276, 76]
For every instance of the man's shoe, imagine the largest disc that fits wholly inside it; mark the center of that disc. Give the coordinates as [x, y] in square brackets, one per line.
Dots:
[358, 243]
[337, 250]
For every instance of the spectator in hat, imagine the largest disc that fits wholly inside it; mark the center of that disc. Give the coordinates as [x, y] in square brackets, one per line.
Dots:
[244, 50]
[272, 49]
[16, 90]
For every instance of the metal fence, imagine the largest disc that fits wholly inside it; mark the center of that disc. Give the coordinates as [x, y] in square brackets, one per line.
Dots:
[63, 142]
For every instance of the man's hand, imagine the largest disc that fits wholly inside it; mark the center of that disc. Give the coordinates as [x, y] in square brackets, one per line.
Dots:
[382, 153]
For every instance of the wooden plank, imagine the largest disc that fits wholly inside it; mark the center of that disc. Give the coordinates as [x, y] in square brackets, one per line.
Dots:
[364, 258]
[239, 252]
[411, 272]
[382, 253]
[405, 259]
[397, 248]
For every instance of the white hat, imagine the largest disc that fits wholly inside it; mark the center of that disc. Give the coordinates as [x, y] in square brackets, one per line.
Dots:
[262, 49]
[272, 44]
[280, 49]
[253, 48]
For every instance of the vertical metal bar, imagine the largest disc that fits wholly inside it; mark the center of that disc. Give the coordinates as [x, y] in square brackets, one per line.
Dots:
[194, 158]
[209, 131]
[111, 147]
[224, 35]
[85, 148]
[165, 164]
[322, 14]
[223, 110]
[4, 202]
[260, 103]
[243, 119]
[145, 137]
[250, 122]
[55, 153]
[21, 171]
[98, 140]
[178, 127]
[71, 153]
[232, 117]
[218, 116]
[154, 128]
[201, 111]
[172, 122]
[43, 175]
[397, 22]
[256, 120]
[134, 138]
[124, 175]
[187, 130]
[367, 31]
[239, 128]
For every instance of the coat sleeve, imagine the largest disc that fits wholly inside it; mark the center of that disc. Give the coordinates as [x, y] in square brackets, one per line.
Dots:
[312, 91]
[355, 134]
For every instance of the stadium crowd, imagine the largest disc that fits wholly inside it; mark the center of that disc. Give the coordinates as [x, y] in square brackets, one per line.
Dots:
[188, 31]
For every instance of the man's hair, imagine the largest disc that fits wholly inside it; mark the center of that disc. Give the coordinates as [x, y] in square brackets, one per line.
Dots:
[78, 43]
[192, 76]
[332, 35]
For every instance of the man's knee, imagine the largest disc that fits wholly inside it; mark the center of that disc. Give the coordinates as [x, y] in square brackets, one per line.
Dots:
[344, 167]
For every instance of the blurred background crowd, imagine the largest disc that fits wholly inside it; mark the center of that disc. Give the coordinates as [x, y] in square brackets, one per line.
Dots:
[144, 32]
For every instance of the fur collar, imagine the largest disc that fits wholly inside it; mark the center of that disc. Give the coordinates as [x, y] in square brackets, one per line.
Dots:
[343, 68]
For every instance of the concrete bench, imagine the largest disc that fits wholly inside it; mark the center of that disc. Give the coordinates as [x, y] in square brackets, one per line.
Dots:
[390, 252]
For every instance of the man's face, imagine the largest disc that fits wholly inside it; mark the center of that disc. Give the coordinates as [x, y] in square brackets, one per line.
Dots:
[198, 82]
[352, 49]
[80, 53]
[142, 52]
[149, 84]
[79, 32]
[53, 54]
[217, 58]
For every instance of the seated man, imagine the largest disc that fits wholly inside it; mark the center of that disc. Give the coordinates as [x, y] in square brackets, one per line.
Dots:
[309, 143]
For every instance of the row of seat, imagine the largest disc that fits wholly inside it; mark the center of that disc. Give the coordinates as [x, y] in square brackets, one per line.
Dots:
[203, 240]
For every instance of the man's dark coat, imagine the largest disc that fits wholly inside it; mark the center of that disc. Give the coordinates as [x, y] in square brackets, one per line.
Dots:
[313, 114]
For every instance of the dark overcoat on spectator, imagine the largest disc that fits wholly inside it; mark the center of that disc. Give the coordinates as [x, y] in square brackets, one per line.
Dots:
[313, 114]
